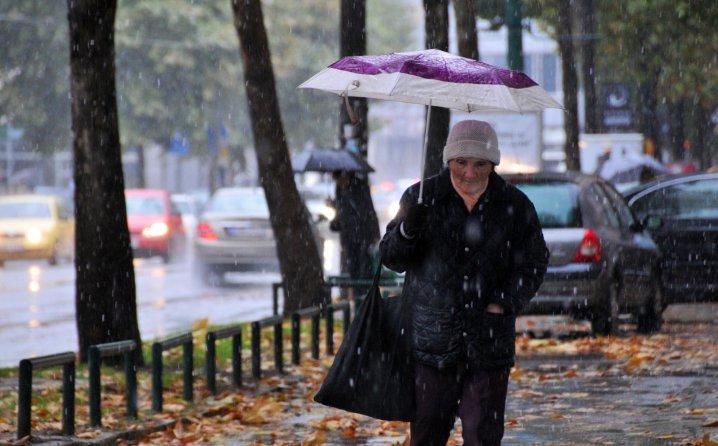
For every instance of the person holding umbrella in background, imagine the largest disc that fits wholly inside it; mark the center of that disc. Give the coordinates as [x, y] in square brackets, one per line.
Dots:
[357, 236]
[474, 255]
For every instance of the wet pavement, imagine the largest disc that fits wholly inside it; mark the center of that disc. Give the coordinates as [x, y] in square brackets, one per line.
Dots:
[557, 399]
[37, 304]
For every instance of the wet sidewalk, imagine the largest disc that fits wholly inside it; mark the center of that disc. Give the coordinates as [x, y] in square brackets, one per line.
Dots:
[668, 397]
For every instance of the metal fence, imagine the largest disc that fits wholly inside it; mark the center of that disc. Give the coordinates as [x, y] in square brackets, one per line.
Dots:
[128, 349]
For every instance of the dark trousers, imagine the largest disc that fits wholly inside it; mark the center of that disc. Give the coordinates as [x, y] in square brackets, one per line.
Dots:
[478, 396]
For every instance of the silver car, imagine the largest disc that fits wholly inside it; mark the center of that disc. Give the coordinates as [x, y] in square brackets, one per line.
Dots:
[234, 234]
[603, 263]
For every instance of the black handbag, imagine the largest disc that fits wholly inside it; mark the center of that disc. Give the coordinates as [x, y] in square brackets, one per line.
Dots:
[373, 371]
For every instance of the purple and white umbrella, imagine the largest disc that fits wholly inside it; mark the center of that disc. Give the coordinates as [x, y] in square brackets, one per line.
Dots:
[433, 78]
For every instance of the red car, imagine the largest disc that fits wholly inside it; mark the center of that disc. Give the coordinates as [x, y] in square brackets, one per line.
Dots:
[155, 226]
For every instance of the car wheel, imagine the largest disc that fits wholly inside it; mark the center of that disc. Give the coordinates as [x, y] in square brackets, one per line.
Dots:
[211, 275]
[649, 317]
[53, 259]
[604, 320]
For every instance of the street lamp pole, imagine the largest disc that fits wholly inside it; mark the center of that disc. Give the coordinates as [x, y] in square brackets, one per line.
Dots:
[513, 23]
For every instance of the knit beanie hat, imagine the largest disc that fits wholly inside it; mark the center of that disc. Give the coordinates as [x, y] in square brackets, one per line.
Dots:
[472, 139]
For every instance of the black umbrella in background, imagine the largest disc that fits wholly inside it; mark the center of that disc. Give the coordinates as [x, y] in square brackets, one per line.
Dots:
[329, 160]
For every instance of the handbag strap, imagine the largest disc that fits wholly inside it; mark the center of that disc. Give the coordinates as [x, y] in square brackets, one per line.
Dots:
[377, 274]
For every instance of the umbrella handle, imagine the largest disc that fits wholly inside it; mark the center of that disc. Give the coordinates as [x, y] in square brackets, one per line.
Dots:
[423, 152]
[350, 110]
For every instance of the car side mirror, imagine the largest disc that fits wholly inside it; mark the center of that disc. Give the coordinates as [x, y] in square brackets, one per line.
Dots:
[652, 222]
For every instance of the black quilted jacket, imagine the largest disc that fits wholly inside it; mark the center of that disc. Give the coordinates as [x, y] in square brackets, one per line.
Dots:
[462, 263]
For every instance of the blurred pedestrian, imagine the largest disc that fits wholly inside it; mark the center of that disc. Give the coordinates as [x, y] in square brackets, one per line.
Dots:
[474, 255]
[356, 234]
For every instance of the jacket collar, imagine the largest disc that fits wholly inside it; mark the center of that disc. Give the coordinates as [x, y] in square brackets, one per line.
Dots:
[495, 191]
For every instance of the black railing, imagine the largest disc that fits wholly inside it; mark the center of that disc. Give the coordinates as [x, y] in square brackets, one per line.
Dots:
[345, 308]
[184, 340]
[276, 322]
[95, 355]
[314, 313]
[235, 332]
[24, 406]
[129, 349]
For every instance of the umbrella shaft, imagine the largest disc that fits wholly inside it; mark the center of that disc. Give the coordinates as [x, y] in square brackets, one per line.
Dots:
[423, 152]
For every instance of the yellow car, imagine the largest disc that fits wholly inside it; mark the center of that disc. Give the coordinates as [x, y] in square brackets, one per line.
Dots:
[35, 227]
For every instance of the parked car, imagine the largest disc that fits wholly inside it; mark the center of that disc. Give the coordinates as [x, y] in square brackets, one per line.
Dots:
[35, 227]
[189, 207]
[602, 262]
[155, 224]
[681, 213]
[235, 234]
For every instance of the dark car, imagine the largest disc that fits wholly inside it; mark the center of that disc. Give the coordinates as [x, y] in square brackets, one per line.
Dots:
[681, 213]
[602, 262]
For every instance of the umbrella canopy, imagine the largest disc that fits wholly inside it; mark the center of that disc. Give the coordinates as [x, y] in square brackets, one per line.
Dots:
[329, 160]
[433, 77]
[625, 168]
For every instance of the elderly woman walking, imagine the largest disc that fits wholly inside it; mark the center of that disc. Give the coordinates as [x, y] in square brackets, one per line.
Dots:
[474, 255]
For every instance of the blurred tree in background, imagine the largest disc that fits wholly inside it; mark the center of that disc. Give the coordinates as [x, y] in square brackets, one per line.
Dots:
[178, 68]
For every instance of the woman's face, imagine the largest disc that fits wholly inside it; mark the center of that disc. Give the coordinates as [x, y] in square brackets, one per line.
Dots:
[470, 175]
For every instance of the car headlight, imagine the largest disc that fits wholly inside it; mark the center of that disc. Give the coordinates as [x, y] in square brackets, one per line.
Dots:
[34, 236]
[156, 229]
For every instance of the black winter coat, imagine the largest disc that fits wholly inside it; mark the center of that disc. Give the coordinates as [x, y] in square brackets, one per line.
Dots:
[463, 262]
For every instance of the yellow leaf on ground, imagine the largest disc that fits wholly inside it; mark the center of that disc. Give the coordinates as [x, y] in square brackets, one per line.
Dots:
[200, 324]
[713, 423]
[317, 438]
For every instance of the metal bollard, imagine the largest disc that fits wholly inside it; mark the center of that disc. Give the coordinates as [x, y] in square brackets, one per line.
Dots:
[211, 362]
[24, 404]
[95, 388]
[237, 359]
[95, 355]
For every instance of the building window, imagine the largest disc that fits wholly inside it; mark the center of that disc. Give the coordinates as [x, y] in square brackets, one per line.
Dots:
[496, 59]
[550, 78]
[528, 67]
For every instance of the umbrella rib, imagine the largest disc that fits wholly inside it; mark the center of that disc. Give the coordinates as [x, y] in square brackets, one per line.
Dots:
[396, 81]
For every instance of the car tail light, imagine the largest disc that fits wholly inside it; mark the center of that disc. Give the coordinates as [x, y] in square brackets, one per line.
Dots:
[205, 232]
[589, 251]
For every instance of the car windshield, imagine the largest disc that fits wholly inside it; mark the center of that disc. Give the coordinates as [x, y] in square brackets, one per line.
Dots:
[556, 203]
[254, 204]
[25, 210]
[183, 206]
[694, 199]
[137, 205]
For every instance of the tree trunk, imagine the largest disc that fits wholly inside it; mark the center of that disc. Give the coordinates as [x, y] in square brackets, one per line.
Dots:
[588, 42]
[676, 128]
[570, 84]
[364, 232]
[702, 125]
[436, 25]
[467, 38]
[297, 251]
[650, 125]
[105, 278]
[141, 182]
